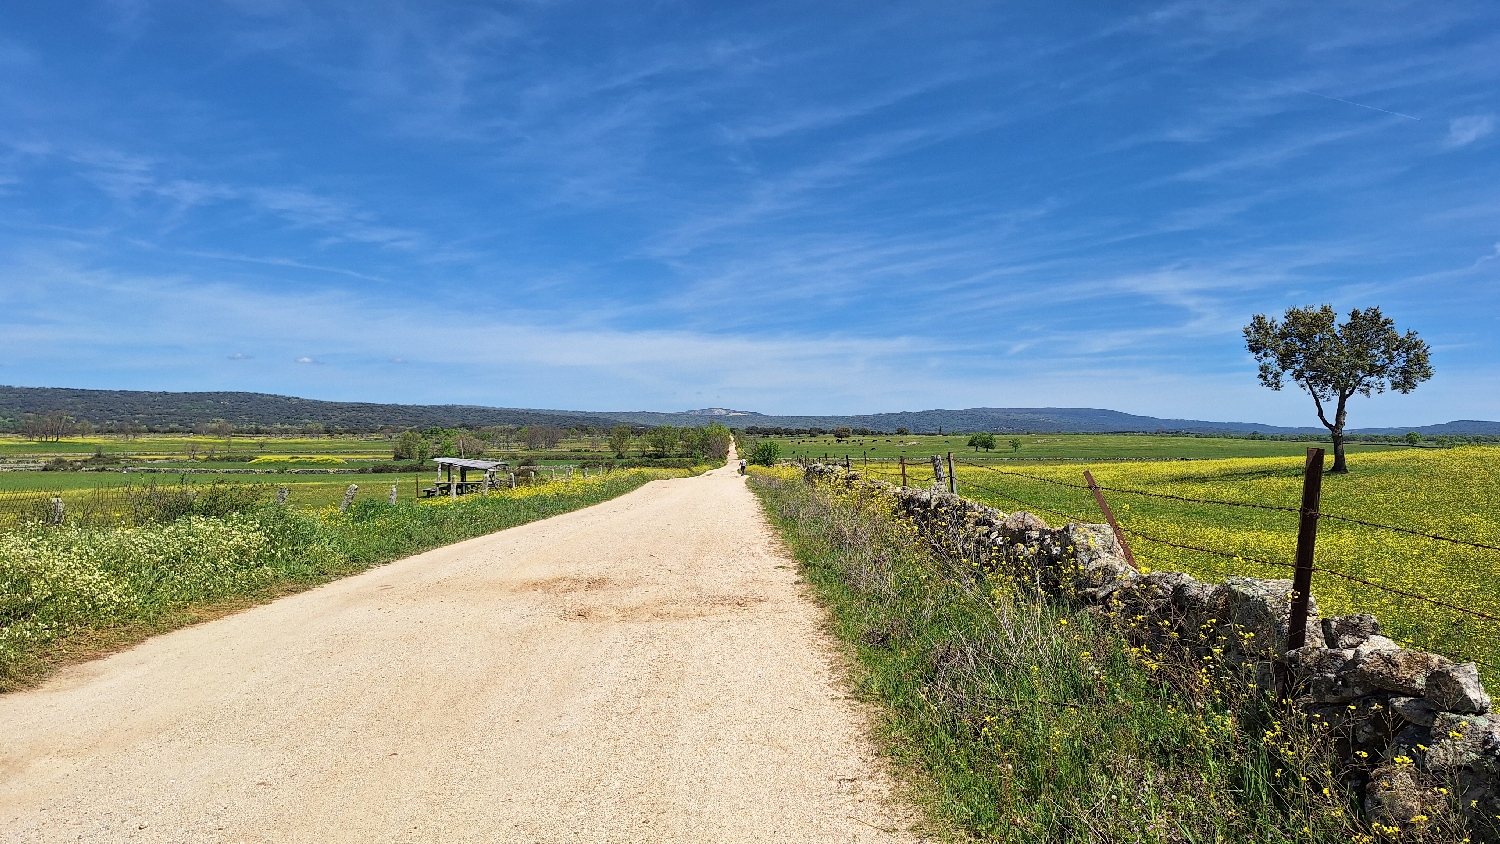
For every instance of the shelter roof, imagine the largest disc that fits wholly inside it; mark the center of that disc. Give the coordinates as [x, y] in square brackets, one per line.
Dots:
[469, 463]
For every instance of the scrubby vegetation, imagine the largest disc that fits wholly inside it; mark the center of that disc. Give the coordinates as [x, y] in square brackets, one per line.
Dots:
[1026, 720]
[73, 590]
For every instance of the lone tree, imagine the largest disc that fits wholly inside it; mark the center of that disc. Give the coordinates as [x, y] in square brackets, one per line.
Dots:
[766, 453]
[619, 440]
[983, 439]
[1332, 362]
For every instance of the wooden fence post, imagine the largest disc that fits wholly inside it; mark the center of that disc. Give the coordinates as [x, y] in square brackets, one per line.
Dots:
[1307, 537]
[348, 497]
[902, 458]
[937, 470]
[952, 476]
[393, 493]
[57, 511]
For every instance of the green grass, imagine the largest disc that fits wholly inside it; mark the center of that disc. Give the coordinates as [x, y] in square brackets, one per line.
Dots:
[1052, 447]
[1021, 721]
[72, 592]
[304, 490]
[1450, 492]
[160, 445]
[192, 451]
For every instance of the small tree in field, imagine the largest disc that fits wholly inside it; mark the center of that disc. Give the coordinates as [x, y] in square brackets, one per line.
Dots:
[1015, 444]
[1332, 362]
[984, 440]
[842, 434]
[766, 453]
[409, 446]
[1413, 438]
[619, 440]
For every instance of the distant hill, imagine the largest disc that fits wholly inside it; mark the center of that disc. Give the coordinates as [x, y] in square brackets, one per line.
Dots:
[183, 411]
[1460, 427]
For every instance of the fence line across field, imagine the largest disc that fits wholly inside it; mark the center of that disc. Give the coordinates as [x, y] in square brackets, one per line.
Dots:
[1309, 515]
[1033, 506]
[1322, 514]
[124, 504]
[1331, 572]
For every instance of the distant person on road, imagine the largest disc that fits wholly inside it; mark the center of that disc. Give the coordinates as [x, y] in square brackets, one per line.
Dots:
[743, 463]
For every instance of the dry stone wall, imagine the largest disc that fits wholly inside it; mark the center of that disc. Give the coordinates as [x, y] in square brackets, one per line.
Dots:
[1404, 720]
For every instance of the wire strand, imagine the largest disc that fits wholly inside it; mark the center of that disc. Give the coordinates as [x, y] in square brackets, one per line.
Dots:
[1322, 515]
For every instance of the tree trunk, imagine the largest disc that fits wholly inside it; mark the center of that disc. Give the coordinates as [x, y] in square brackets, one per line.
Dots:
[1338, 454]
[1339, 467]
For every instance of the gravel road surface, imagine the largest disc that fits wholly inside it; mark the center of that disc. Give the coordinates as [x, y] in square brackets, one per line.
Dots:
[647, 669]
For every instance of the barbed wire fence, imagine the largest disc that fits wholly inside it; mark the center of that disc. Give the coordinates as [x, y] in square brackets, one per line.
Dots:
[1004, 488]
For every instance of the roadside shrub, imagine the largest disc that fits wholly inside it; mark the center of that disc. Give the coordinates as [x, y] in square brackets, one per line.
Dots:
[766, 453]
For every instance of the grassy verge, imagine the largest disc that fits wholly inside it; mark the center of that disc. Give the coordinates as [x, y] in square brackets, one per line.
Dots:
[1034, 722]
[71, 593]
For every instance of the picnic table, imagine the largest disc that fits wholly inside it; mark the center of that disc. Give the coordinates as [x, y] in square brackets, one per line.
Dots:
[450, 486]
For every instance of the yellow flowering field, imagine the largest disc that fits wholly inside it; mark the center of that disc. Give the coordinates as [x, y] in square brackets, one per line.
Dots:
[1450, 492]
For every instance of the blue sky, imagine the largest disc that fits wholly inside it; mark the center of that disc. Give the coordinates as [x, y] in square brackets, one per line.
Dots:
[783, 207]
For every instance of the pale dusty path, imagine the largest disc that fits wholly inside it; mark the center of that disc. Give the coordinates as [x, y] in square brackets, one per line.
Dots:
[643, 670]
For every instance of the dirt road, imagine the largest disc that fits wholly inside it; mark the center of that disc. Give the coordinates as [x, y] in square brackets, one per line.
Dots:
[643, 670]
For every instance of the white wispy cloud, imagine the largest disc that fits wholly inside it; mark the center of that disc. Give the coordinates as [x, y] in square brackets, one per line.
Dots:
[1463, 131]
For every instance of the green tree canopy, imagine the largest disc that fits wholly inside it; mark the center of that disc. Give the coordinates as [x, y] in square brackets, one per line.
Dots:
[766, 453]
[714, 441]
[663, 439]
[1332, 362]
[983, 439]
[619, 440]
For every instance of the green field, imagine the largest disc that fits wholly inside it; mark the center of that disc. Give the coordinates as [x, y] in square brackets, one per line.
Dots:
[211, 452]
[1450, 492]
[178, 446]
[1052, 447]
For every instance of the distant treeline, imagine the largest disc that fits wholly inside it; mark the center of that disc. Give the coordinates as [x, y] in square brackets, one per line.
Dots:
[124, 411]
[1440, 439]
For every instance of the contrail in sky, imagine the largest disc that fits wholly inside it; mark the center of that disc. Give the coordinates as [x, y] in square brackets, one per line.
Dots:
[1350, 102]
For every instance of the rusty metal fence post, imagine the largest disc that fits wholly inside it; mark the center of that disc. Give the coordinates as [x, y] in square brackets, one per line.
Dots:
[1109, 515]
[1307, 537]
[952, 476]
